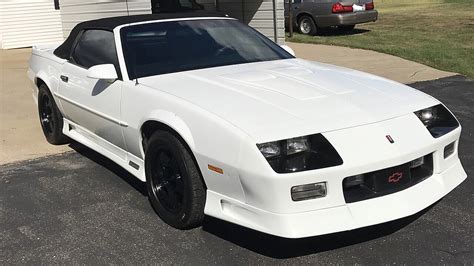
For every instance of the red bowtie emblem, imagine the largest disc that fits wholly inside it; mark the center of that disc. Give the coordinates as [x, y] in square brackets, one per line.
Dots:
[395, 177]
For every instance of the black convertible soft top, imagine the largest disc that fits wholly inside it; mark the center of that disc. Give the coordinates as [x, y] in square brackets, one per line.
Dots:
[64, 50]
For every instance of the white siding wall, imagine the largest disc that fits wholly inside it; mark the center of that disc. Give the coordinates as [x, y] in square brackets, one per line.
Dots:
[257, 13]
[25, 23]
[75, 11]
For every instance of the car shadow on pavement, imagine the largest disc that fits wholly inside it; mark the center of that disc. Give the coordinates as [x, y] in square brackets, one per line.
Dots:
[110, 165]
[284, 248]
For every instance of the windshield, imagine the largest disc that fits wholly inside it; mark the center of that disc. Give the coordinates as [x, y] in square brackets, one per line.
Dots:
[168, 47]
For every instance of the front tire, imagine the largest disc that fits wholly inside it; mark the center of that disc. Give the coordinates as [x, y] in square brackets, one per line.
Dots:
[50, 117]
[175, 186]
[306, 25]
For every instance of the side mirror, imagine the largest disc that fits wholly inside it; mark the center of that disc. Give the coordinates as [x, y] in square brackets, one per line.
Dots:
[105, 72]
[288, 49]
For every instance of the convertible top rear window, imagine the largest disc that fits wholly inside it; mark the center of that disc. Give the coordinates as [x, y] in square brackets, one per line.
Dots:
[175, 46]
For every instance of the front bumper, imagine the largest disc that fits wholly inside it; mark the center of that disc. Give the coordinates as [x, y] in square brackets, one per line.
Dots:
[347, 18]
[340, 218]
[267, 205]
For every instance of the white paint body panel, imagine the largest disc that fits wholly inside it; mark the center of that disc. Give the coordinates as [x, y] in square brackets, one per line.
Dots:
[223, 112]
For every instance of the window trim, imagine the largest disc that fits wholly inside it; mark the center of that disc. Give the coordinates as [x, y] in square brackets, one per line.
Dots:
[120, 48]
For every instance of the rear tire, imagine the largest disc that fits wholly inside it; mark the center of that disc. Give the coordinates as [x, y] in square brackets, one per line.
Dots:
[175, 187]
[50, 117]
[306, 25]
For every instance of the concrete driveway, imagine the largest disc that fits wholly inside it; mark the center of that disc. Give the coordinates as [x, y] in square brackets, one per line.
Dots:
[21, 137]
[79, 207]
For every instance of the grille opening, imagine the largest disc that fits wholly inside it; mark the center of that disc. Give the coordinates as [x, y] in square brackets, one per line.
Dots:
[387, 181]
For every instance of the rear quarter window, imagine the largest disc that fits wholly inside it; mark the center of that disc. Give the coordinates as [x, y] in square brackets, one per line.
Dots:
[95, 47]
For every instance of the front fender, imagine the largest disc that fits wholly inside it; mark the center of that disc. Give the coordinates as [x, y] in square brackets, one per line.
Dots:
[173, 121]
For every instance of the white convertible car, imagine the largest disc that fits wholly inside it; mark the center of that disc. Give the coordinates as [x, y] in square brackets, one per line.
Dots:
[219, 120]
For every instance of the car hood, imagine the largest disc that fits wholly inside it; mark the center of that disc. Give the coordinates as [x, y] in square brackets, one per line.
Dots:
[294, 97]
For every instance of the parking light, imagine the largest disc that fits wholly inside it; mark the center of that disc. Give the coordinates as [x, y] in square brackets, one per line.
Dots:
[309, 191]
[449, 150]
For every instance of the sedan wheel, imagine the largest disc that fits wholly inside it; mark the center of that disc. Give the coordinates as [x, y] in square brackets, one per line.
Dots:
[307, 25]
[175, 187]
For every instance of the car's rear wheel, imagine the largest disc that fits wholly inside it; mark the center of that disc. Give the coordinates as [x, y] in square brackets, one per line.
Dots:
[346, 28]
[175, 187]
[50, 117]
[306, 25]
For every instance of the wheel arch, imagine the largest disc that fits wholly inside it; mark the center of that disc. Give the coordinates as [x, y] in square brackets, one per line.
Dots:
[177, 128]
[39, 81]
[298, 17]
[165, 120]
[151, 126]
[42, 78]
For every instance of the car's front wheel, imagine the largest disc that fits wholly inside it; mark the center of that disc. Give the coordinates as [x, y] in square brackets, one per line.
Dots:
[307, 25]
[175, 187]
[50, 117]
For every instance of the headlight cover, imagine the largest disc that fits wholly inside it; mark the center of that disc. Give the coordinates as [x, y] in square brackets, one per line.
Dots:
[438, 120]
[300, 154]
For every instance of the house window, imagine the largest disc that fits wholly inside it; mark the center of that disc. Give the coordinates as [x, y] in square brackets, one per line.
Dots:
[56, 4]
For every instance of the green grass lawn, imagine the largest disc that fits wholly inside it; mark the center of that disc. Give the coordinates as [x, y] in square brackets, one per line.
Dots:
[435, 33]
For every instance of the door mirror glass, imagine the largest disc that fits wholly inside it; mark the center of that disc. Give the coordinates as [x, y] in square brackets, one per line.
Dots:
[105, 72]
[288, 49]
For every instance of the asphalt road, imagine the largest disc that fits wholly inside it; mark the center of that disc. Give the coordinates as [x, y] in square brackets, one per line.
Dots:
[79, 207]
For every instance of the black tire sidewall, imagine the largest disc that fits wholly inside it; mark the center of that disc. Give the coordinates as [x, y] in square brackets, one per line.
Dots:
[189, 216]
[56, 136]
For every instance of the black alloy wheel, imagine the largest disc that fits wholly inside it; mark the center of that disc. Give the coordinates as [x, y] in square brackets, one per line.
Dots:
[167, 182]
[50, 117]
[175, 186]
[46, 114]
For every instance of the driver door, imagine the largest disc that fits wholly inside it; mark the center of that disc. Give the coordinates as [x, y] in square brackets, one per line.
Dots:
[93, 104]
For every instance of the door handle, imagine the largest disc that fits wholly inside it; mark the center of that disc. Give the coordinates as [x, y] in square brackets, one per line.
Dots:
[64, 78]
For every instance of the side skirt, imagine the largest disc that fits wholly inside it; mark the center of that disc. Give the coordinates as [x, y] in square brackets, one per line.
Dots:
[127, 161]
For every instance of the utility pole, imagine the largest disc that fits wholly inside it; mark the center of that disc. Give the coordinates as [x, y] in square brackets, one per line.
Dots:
[290, 17]
[275, 24]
